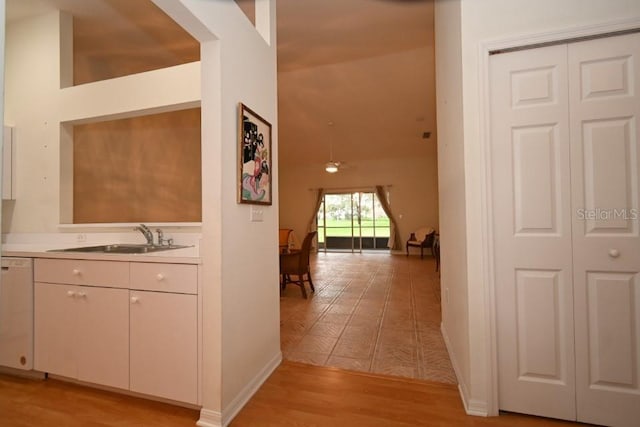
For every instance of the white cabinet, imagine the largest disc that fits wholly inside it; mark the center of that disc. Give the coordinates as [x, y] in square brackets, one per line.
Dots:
[55, 330]
[82, 332]
[164, 345]
[128, 325]
[8, 165]
[163, 328]
[103, 332]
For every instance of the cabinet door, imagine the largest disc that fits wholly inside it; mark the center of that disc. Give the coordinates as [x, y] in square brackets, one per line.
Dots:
[103, 336]
[55, 334]
[163, 345]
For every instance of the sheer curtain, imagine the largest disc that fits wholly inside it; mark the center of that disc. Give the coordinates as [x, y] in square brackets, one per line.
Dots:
[312, 226]
[394, 241]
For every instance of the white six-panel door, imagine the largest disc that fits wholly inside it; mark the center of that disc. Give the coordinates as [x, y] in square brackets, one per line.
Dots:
[604, 77]
[532, 226]
[565, 186]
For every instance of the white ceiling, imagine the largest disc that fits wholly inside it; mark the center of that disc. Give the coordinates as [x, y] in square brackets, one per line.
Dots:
[365, 65]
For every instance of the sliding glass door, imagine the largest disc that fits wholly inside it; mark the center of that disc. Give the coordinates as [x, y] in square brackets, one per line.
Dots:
[352, 222]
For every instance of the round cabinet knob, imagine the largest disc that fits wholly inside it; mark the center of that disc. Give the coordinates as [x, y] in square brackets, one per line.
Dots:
[71, 294]
[614, 253]
[134, 300]
[160, 276]
[82, 294]
[76, 272]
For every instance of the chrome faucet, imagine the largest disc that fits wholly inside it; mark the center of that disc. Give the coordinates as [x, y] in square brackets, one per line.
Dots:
[160, 237]
[148, 234]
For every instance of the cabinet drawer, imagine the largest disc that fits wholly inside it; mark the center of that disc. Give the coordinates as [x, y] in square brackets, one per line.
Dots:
[179, 278]
[82, 272]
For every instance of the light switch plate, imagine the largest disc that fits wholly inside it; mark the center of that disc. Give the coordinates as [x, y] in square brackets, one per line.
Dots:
[255, 214]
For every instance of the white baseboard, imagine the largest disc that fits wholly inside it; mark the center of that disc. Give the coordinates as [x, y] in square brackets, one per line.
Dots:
[229, 413]
[471, 406]
[476, 407]
[209, 418]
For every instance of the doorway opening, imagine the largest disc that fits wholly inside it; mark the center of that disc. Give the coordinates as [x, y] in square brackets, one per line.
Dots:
[352, 222]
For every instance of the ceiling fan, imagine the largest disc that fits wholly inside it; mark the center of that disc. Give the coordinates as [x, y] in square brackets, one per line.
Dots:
[333, 166]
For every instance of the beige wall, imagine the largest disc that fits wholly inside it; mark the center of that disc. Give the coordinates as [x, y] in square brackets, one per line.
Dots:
[453, 244]
[480, 22]
[2, 77]
[36, 106]
[413, 193]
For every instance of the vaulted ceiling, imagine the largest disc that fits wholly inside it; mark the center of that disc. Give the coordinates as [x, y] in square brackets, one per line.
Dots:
[367, 66]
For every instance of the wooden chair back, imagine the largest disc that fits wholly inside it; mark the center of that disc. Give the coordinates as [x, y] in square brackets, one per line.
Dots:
[284, 234]
[305, 251]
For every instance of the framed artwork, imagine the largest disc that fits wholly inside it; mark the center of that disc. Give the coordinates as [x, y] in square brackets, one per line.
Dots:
[254, 143]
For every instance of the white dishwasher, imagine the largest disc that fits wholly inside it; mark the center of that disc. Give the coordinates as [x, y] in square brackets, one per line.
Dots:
[16, 313]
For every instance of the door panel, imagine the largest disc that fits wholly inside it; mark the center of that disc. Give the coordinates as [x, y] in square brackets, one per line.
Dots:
[613, 312]
[609, 191]
[532, 226]
[603, 80]
[607, 77]
[534, 179]
[539, 338]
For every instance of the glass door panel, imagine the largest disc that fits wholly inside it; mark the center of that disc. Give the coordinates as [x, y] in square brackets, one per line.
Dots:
[352, 222]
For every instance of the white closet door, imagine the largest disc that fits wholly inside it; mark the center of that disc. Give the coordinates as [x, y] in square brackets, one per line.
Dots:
[604, 80]
[532, 226]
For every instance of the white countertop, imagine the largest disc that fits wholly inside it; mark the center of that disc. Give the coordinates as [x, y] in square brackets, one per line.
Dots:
[189, 255]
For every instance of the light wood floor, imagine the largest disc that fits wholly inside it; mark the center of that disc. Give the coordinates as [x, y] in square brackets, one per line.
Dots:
[295, 395]
[303, 395]
[29, 403]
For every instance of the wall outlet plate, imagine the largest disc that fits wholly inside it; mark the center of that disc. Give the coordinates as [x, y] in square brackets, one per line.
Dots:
[256, 214]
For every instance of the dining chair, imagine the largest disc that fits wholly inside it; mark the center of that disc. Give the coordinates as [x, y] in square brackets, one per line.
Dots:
[284, 238]
[296, 263]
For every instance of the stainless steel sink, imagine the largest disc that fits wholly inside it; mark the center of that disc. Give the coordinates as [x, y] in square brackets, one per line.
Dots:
[122, 248]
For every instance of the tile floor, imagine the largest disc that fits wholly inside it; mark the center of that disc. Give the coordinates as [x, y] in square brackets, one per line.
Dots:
[371, 312]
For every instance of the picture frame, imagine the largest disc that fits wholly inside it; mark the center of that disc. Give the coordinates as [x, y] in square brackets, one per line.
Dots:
[254, 158]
